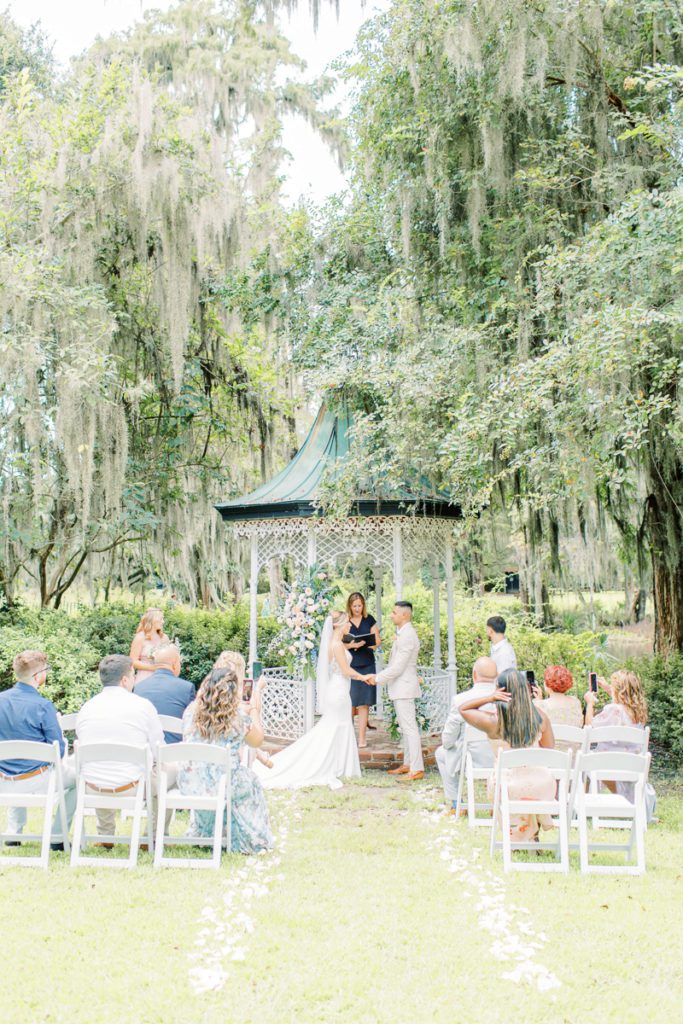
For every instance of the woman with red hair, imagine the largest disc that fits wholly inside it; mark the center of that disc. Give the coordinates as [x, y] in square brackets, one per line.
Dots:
[560, 706]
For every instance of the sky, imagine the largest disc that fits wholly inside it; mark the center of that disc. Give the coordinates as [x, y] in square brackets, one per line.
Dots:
[73, 25]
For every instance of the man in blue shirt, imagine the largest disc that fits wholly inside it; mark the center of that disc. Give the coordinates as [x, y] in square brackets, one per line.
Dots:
[25, 715]
[169, 694]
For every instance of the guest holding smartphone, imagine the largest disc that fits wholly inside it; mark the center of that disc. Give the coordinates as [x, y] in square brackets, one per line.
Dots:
[363, 695]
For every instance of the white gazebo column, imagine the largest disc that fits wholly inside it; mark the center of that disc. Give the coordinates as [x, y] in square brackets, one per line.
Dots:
[452, 666]
[436, 586]
[309, 695]
[398, 561]
[377, 574]
[312, 547]
[253, 605]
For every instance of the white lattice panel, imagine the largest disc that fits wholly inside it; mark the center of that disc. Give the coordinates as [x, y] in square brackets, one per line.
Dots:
[435, 701]
[375, 549]
[368, 539]
[283, 711]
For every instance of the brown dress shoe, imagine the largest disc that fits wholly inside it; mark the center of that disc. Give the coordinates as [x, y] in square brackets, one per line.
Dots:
[105, 846]
[403, 770]
[412, 777]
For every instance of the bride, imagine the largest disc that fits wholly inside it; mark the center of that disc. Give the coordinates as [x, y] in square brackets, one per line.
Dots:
[328, 752]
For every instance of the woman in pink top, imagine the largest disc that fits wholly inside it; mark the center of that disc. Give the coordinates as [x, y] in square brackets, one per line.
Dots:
[149, 635]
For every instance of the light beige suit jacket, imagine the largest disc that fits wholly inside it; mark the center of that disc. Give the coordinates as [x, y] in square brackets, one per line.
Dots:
[401, 673]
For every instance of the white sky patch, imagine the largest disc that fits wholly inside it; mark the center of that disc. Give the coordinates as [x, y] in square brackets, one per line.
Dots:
[312, 172]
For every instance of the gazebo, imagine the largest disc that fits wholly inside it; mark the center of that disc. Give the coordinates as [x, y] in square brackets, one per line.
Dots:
[386, 531]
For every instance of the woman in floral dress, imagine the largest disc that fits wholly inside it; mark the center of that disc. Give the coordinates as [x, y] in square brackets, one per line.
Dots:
[215, 717]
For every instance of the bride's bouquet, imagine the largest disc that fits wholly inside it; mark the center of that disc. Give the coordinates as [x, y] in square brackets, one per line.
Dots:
[308, 601]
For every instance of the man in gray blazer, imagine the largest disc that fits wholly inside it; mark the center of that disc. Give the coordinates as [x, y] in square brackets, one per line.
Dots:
[401, 677]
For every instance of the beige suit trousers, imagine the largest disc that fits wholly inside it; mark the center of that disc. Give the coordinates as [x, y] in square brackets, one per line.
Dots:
[410, 733]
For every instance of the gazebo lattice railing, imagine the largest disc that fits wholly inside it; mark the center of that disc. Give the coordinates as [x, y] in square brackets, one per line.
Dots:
[388, 535]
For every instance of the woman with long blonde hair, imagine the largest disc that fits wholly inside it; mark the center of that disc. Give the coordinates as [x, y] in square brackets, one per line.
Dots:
[517, 723]
[148, 636]
[328, 753]
[233, 659]
[628, 707]
[216, 717]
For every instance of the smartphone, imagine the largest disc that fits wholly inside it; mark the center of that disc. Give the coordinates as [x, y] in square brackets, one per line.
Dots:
[531, 678]
[247, 689]
[593, 681]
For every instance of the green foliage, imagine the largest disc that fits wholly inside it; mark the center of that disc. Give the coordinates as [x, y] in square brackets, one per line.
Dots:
[662, 680]
[73, 677]
[76, 642]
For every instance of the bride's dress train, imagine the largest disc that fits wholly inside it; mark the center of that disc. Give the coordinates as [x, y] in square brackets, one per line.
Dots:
[326, 754]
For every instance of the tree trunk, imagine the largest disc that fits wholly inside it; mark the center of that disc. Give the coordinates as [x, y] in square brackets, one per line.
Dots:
[665, 529]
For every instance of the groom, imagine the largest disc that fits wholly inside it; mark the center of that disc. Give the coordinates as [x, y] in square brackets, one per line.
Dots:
[404, 687]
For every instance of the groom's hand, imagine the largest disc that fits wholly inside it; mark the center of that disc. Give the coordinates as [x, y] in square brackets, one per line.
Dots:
[371, 680]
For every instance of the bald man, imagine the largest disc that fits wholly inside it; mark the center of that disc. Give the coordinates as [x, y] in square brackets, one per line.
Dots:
[449, 754]
[169, 694]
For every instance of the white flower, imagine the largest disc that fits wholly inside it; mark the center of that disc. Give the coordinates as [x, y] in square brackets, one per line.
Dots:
[309, 645]
[281, 651]
[322, 575]
[308, 591]
[292, 649]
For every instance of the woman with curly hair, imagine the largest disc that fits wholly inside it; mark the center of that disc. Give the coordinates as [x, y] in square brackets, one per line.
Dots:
[561, 707]
[233, 659]
[628, 707]
[516, 724]
[215, 717]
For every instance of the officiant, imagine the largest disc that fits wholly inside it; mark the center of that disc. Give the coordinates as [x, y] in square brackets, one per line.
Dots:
[364, 627]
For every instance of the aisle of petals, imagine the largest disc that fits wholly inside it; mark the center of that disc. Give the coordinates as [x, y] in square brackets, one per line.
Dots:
[514, 940]
[226, 926]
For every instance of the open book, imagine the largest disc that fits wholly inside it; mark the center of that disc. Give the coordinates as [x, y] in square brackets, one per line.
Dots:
[365, 638]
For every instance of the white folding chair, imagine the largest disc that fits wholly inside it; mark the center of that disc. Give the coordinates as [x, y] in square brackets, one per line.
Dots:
[574, 739]
[68, 722]
[470, 774]
[171, 724]
[638, 741]
[220, 804]
[558, 763]
[139, 803]
[49, 801]
[614, 766]
[570, 737]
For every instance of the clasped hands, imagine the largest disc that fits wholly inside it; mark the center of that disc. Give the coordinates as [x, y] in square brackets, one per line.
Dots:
[371, 680]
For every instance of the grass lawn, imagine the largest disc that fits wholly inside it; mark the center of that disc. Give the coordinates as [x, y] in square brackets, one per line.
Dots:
[376, 907]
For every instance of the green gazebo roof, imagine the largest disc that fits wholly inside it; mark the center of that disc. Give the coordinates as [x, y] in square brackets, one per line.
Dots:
[295, 491]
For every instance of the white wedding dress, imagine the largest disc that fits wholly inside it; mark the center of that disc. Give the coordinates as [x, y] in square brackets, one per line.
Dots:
[326, 754]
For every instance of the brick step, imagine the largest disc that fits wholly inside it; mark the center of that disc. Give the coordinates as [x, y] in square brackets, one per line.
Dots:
[381, 752]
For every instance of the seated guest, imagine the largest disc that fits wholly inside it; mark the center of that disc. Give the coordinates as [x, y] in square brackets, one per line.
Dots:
[26, 715]
[502, 650]
[234, 660]
[169, 694]
[215, 717]
[628, 707]
[561, 707]
[116, 715]
[449, 754]
[516, 724]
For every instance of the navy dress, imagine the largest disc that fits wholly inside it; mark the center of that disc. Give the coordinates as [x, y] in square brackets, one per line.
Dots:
[363, 660]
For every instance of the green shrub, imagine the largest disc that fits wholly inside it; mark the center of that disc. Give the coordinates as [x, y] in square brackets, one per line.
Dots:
[662, 680]
[73, 677]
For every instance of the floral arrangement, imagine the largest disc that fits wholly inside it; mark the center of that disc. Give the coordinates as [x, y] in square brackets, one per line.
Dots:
[308, 601]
